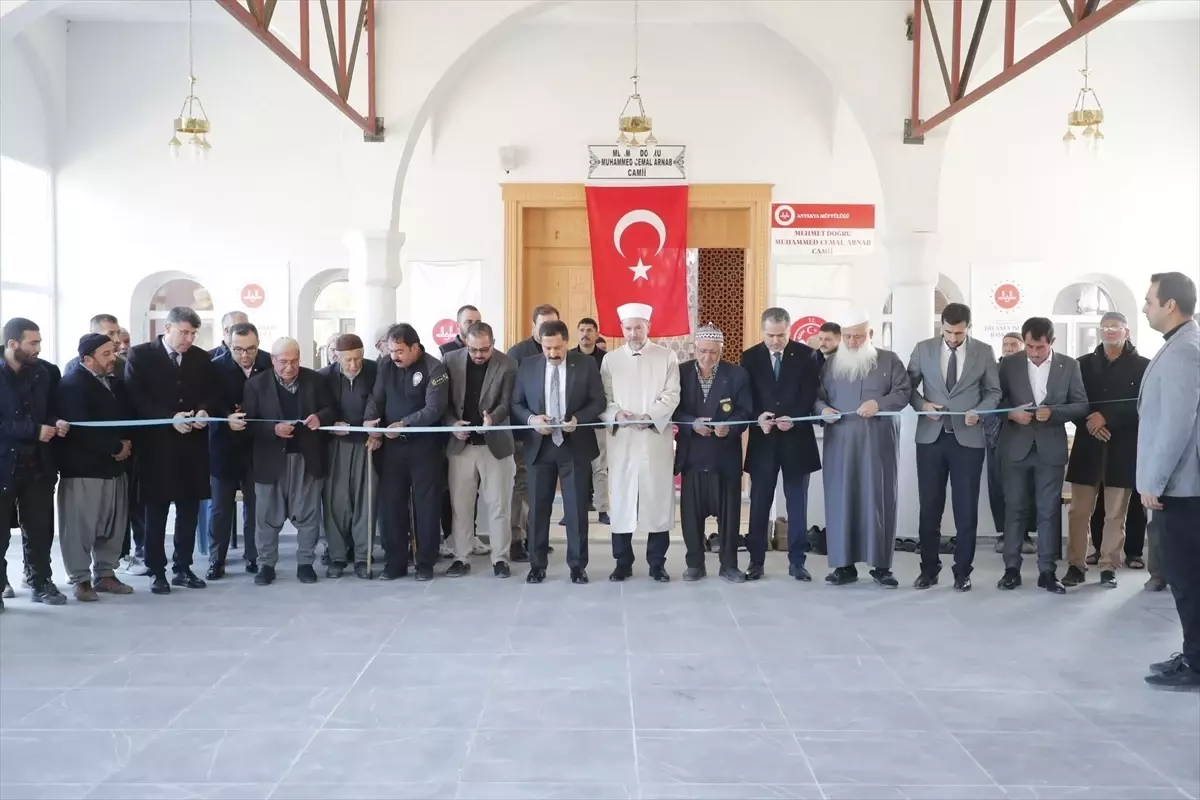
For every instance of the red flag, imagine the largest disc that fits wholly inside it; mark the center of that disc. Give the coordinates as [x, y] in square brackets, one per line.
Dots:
[639, 254]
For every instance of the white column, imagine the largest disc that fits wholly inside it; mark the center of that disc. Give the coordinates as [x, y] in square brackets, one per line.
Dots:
[912, 260]
[375, 275]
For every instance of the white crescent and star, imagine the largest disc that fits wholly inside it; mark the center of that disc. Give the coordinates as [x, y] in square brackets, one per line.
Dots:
[640, 270]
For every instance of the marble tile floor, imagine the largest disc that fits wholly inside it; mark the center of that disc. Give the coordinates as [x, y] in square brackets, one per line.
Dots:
[481, 688]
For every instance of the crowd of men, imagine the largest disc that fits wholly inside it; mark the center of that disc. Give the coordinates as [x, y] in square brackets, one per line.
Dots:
[410, 436]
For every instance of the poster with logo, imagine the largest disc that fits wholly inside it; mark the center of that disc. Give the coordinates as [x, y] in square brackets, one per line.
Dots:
[1003, 296]
[826, 229]
[437, 290]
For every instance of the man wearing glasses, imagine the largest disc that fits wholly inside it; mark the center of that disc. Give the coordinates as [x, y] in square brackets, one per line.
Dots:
[230, 452]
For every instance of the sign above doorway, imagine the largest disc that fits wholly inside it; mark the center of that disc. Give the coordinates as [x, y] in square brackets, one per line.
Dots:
[823, 229]
[659, 162]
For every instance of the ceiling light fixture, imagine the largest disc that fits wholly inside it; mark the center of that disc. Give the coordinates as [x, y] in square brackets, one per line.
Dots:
[1082, 116]
[630, 126]
[192, 121]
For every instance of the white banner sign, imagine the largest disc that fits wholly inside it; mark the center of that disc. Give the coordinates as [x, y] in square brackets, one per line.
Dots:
[438, 289]
[823, 229]
[610, 162]
[1003, 296]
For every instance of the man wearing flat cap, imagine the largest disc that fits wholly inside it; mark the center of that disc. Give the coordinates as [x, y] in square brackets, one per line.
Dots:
[641, 385]
[93, 496]
[1104, 455]
[350, 380]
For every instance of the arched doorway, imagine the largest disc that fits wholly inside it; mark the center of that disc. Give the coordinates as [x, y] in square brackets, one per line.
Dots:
[183, 292]
[333, 314]
[943, 294]
[1076, 316]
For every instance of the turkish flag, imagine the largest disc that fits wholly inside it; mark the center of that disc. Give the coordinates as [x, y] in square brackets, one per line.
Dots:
[639, 254]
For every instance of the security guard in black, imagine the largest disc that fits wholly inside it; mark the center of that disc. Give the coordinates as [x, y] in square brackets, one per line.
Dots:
[410, 392]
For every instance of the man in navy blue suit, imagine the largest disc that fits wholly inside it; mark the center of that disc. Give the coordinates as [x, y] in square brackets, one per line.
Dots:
[784, 377]
[708, 454]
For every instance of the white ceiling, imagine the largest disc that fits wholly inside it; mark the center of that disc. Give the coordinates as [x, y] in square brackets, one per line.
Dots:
[140, 11]
[620, 12]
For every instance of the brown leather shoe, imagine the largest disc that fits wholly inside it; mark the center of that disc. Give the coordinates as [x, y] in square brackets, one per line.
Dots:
[111, 585]
[84, 592]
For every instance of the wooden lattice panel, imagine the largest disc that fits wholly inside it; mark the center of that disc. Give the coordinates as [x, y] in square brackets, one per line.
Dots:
[722, 293]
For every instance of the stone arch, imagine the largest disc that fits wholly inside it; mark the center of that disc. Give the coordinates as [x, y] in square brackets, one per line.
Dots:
[140, 299]
[305, 301]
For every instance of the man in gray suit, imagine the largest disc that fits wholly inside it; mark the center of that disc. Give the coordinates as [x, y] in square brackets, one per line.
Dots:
[1047, 390]
[951, 373]
[1168, 463]
[481, 387]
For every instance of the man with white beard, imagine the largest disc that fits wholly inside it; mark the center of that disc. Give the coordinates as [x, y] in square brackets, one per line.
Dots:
[861, 452]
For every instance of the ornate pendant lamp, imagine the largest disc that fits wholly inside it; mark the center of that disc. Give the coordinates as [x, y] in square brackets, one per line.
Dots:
[192, 122]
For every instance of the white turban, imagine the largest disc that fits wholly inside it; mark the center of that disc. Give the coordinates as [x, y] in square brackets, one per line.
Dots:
[634, 311]
[855, 316]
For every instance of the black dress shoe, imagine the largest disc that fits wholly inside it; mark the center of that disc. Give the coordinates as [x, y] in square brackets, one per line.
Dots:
[518, 553]
[335, 569]
[1010, 580]
[215, 572]
[187, 579]
[393, 574]
[578, 575]
[361, 571]
[325, 558]
[424, 574]
[692, 574]
[660, 575]
[457, 570]
[754, 572]
[602, 518]
[562, 523]
[549, 548]
[1074, 577]
[1108, 579]
[252, 567]
[1050, 583]
[799, 573]
[842, 576]
[306, 574]
[46, 592]
[160, 585]
[500, 569]
[962, 584]
[1171, 663]
[885, 578]
[621, 573]
[1180, 679]
[925, 580]
[733, 574]
[536, 575]
[265, 576]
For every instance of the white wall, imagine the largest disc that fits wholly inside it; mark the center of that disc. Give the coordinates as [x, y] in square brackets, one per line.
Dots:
[1009, 194]
[23, 130]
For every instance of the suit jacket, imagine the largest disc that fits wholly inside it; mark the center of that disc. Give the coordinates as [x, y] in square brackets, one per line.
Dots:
[449, 347]
[1064, 389]
[261, 401]
[1113, 463]
[230, 452]
[118, 371]
[977, 389]
[793, 395]
[495, 398]
[88, 452]
[170, 465]
[1168, 450]
[729, 398]
[362, 385]
[526, 348]
[585, 402]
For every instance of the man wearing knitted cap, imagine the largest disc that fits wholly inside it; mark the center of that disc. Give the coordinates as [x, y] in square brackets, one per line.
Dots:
[93, 500]
[861, 452]
[708, 453]
[350, 379]
[641, 385]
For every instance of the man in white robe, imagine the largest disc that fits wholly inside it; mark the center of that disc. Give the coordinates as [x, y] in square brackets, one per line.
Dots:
[862, 450]
[641, 385]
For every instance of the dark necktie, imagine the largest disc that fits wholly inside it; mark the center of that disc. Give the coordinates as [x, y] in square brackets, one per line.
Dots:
[951, 380]
[175, 360]
[556, 412]
[778, 362]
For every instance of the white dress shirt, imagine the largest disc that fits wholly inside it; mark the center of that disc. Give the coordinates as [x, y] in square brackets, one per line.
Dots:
[1039, 378]
[562, 386]
[962, 359]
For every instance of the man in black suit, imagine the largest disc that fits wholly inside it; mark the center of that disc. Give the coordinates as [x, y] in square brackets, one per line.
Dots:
[466, 316]
[556, 388]
[169, 378]
[231, 454]
[708, 454]
[784, 378]
[93, 501]
[289, 457]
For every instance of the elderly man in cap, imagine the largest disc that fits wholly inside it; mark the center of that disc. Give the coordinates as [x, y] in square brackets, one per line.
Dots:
[861, 452]
[1104, 456]
[708, 453]
[641, 385]
[350, 380]
[93, 499]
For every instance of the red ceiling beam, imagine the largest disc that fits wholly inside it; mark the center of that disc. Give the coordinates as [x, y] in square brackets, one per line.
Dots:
[1087, 16]
[255, 17]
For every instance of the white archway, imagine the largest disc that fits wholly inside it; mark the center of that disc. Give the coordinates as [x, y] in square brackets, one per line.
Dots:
[1079, 305]
[307, 313]
[156, 294]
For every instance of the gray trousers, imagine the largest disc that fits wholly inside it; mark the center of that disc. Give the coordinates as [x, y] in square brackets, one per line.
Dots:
[297, 496]
[1045, 502]
[92, 515]
[345, 498]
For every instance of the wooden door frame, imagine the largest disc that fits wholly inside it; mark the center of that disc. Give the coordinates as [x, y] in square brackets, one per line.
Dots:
[754, 198]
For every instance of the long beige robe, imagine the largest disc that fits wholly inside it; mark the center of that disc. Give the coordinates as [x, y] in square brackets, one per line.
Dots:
[641, 479]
